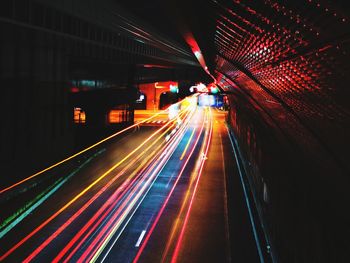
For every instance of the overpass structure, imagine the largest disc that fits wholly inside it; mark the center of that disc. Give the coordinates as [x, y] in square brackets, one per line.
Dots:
[274, 159]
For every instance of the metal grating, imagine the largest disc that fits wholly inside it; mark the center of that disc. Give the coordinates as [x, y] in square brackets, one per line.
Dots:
[291, 53]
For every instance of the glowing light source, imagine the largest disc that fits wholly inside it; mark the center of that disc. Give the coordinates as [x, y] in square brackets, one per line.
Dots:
[206, 100]
[81, 152]
[114, 116]
[79, 115]
[197, 54]
[214, 89]
[74, 89]
[173, 88]
[173, 111]
[202, 88]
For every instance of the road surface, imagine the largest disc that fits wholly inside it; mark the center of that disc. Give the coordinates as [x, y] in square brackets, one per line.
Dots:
[162, 193]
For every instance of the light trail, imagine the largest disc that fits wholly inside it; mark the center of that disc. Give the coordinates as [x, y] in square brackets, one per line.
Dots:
[81, 232]
[179, 242]
[76, 197]
[184, 202]
[75, 155]
[138, 255]
[188, 143]
[100, 218]
[142, 187]
[103, 243]
[174, 146]
[61, 229]
[87, 149]
[177, 220]
[43, 197]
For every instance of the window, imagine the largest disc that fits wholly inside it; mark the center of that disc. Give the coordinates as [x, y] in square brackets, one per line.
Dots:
[79, 116]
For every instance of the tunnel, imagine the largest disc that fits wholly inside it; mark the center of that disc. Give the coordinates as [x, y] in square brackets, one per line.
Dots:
[175, 131]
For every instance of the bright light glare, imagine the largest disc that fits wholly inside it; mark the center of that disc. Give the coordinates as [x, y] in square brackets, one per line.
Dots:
[206, 100]
[202, 88]
[174, 88]
[214, 90]
[173, 111]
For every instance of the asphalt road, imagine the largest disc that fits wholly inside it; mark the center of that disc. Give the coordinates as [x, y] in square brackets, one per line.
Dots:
[163, 193]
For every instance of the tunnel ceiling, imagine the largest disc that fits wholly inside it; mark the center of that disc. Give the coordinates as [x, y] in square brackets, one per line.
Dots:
[296, 51]
[290, 58]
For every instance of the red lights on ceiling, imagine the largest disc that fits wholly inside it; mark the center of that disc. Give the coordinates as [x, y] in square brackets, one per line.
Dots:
[286, 48]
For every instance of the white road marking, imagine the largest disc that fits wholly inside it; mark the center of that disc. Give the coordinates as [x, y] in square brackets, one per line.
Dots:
[140, 238]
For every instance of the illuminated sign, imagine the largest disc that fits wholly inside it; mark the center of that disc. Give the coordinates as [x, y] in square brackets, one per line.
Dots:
[173, 88]
[79, 115]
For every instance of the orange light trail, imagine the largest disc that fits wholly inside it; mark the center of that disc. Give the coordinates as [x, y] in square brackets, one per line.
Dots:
[99, 243]
[43, 245]
[84, 150]
[81, 232]
[177, 221]
[144, 243]
[188, 143]
[76, 197]
[180, 239]
[86, 205]
[100, 246]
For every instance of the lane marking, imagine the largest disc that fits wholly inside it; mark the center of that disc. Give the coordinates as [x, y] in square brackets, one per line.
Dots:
[188, 143]
[257, 242]
[171, 151]
[138, 255]
[227, 227]
[140, 238]
[45, 196]
[206, 144]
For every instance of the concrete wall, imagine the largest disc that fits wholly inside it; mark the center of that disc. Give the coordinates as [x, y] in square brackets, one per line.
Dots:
[36, 116]
[300, 191]
[153, 92]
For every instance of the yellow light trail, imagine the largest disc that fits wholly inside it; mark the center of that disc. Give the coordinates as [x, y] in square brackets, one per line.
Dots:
[77, 197]
[194, 175]
[144, 243]
[100, 248]
[83, 192]
[85, 150]
[207, 143]
[149, 158]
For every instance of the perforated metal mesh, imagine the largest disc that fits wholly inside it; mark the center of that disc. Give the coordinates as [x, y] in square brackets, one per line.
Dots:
[294, 54]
